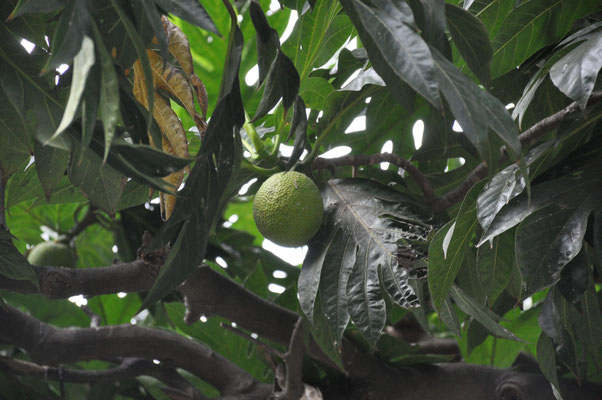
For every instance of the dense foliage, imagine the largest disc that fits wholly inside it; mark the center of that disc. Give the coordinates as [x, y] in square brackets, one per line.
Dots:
[462, 229]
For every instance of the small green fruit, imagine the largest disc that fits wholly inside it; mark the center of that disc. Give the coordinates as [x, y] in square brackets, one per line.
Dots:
[288, 209]
[52, 254]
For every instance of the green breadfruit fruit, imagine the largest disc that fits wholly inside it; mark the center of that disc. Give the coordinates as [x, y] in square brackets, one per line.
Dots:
[288, 209]
[52, 254]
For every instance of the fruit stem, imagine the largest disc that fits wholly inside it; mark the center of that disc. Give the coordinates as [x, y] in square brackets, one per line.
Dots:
[274, 152]
[258, 170]
[255, 139]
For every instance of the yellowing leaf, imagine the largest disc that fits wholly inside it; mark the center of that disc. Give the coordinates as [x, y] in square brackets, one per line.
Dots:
[179, 46]
[171, 79]
[168, 201]
[201, 93]
[171, 126]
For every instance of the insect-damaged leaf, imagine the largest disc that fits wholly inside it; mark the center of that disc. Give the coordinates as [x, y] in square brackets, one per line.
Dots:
[367, 227]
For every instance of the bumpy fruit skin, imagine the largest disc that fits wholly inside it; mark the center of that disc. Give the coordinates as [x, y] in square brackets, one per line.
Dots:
[288, 209]
[52, 254]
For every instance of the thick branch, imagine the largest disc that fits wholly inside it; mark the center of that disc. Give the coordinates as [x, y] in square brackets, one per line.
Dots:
[527, 138]
[48, 344]
[208, 292]
[62, 283]
[129, 368]
[365, 159]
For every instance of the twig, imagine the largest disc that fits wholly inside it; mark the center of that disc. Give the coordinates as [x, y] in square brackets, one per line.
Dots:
[365, 159]
[527, 138]
[89, 219]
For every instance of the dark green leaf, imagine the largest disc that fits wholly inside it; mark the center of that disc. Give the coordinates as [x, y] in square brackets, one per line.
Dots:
[148, 160]
[495, 262]
[30, 95]
[323, 333]
[449, 317]
[591, 324]
[36, 6]
[533, 25]
[312, 37]
[82, 63]
[228, 344]
[153, 387]
[60, 313]
[569, 191]
[89, 106]
[476, 110]
[546, 358]
[282, 82]
[398, 53]
[365, 303]
[108, 104]
[133, 194]
[67, 39]
[298, 131]
[14, 139]
[99, 182]
[482, 314]
[574, 279]
[552, 320]
[549, 238]
[23, 185]
[268, 43]
[471, 38]
[366, 226]
[51, 163]
[109, 110]
[492, 13]
[189, 10]
[446, 251]
[430, 18]
[13, 264]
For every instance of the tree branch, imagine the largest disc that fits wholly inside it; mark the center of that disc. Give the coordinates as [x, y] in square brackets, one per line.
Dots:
[48, 344]
[129, 368]
[62, 283]
[89, 219]
[207, 291]
[365, 159]
[527, 138]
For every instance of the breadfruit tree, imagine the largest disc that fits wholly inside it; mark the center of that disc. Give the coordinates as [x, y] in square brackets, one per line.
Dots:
[456, 147]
